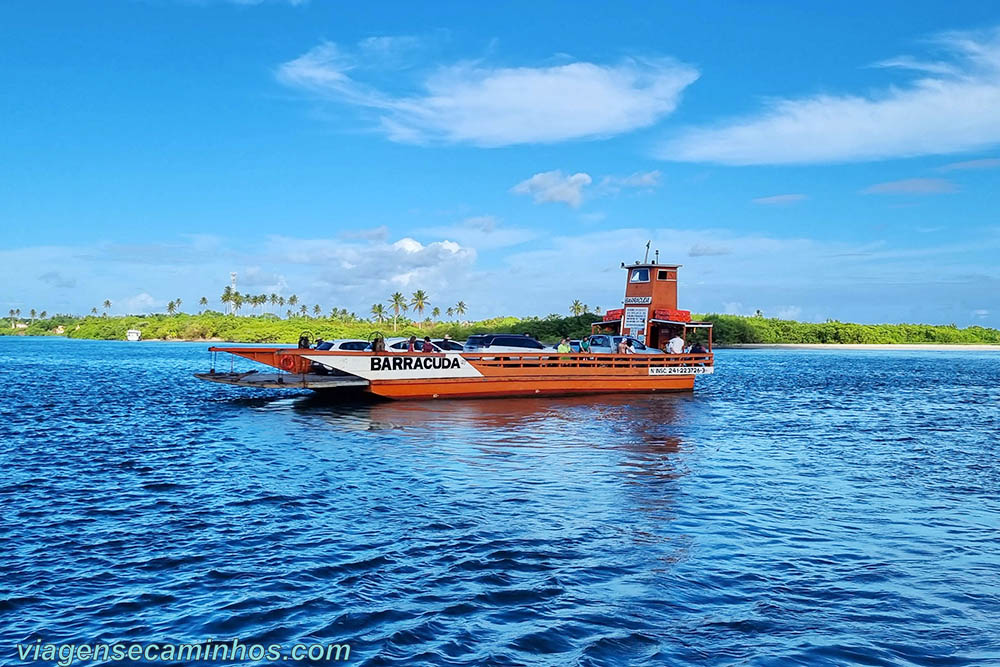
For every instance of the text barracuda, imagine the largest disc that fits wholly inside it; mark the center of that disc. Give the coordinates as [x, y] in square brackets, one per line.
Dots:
[414, 363]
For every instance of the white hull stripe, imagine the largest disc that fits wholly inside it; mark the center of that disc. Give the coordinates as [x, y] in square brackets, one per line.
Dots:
[400, 366]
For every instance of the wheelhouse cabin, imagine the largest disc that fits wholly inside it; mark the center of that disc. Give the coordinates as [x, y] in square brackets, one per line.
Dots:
[649, 310]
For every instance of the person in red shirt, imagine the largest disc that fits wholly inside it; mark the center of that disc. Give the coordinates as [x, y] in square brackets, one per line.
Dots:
[428, 348]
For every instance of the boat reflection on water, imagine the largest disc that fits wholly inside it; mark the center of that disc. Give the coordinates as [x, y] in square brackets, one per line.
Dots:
[578, 464]
[641, 436]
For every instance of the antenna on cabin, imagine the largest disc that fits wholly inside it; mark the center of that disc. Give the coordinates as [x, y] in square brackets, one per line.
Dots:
[657, 260]
[646, 258]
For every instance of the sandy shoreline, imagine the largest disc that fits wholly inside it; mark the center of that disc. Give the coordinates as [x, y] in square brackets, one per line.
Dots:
[859, 346]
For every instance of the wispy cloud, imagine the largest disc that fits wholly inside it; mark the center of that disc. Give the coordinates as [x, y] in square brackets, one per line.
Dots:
[779, 200]
[56, 279]
[951, 107]
[707, 250]
[483, 232]
[554, 186]
[640, 180]
[474, 103]
[912, 186]
[986, 163]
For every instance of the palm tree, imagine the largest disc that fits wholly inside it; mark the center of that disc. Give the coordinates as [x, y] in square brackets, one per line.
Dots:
[576, 308]
[32, 313]
[178, 304]
[274, 301]
[93, 311]
[378, 312]
[450, 311]
[288, 313]
[597, 311]
[398, 303]
[11, 313]
[292, 300]
[237, 300]
[436, 313]
[171, 308]
[203, 301]
[304, 310]
[460, 308]
[317, 310]
[227, 298]
[107, 306]
[419, 301]
[42, 315]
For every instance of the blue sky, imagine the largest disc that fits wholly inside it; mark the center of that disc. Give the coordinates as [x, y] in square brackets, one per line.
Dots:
[810, 160]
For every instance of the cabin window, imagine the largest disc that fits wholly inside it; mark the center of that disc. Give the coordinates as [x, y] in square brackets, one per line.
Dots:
[639, 276]
[661, 274]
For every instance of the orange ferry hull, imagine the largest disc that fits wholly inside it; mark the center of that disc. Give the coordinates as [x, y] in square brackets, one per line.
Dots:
[466, 375]
[527, 386]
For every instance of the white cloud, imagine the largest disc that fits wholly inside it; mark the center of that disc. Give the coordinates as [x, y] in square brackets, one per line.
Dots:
[912, 186]
[950, 108]
[484, 232]
[554, 186]
[779, 200]
[140, 304]
[499, 106]
[788, 313]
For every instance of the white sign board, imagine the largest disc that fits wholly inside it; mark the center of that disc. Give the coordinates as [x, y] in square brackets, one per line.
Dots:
[680, 370]
[635, 318]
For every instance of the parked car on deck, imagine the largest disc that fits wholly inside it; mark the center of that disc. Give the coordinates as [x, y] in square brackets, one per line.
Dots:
[349, 344]
[608, 344]
[503, 343]
[402, 344]
[346, 344]
[450, 345]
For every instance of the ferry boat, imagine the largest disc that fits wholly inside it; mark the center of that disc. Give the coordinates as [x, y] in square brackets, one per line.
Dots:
[649, 314]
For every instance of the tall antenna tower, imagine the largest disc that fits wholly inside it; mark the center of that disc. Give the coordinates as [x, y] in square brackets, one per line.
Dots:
[232, 284]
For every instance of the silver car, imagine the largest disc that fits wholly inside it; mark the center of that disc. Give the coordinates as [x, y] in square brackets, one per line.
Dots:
[503, 343]
[608, 344]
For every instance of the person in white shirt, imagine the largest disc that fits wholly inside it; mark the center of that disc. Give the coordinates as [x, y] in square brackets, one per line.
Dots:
[675, 345]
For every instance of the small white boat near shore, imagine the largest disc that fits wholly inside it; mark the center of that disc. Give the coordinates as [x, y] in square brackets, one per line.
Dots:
[133, 335]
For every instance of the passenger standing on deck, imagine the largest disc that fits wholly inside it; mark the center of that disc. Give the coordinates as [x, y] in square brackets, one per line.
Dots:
[428, 347]
[564, 345]
[378, 345]
[585, 345]
[411, 345]
[625, 346]
[676, 345]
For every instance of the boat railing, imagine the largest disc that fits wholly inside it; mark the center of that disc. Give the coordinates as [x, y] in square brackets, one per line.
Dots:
[586, 360]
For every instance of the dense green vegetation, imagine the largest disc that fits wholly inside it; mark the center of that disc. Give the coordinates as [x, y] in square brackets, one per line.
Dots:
[729, 329]
[271, 329]
[735, 329]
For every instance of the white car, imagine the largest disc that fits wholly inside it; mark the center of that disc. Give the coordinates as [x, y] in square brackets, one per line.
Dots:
[348, 344]
[402, 344]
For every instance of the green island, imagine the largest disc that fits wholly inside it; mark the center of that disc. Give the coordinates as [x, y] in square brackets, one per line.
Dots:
[269, 328]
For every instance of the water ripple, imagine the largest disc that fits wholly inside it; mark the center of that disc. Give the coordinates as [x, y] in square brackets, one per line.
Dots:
[805, 507]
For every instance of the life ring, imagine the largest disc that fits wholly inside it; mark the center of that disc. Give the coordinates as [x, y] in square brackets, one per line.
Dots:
[286, 362]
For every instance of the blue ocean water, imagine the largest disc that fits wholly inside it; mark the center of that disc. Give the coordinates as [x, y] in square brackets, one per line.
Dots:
[798, 507]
